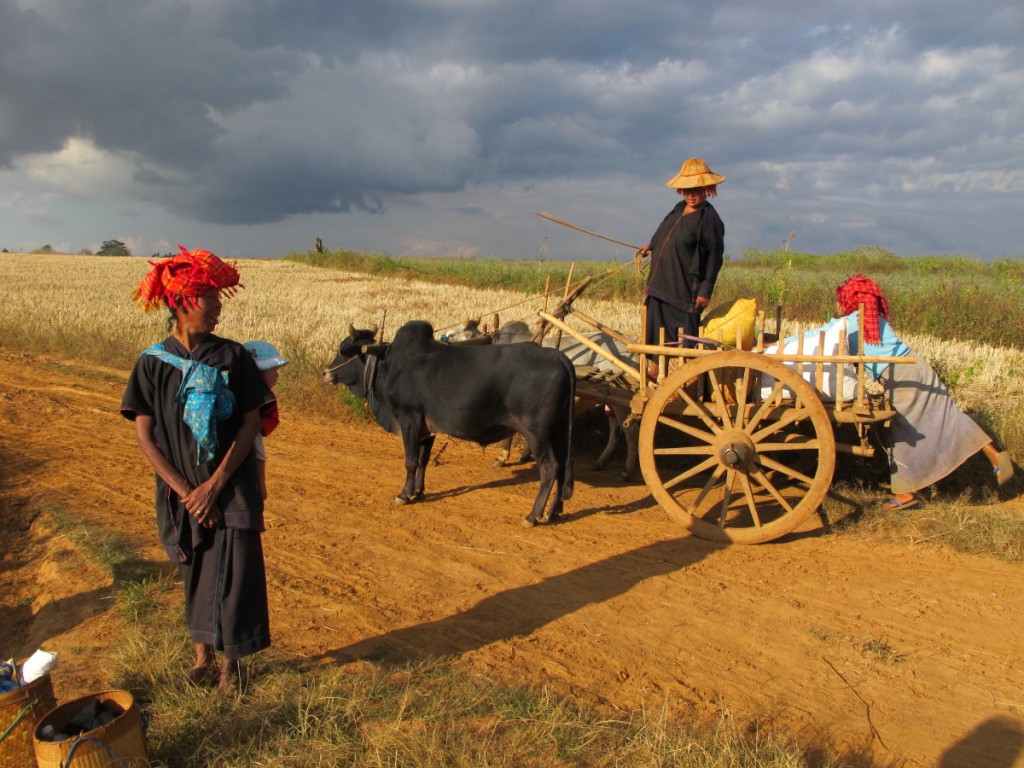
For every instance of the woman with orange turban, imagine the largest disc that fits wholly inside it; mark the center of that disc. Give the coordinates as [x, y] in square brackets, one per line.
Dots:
[930, 436]
[196, 399]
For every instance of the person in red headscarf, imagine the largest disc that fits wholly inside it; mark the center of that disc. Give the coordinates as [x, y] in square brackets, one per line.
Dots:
[196, 400]
[930, 436]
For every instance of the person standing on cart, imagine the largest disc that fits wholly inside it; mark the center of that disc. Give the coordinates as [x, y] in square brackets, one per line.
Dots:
[685, 257]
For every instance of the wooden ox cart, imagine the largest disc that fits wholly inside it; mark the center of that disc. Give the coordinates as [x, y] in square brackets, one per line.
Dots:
[739, 446]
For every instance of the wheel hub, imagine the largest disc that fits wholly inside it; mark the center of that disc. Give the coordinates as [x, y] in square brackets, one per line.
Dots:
[736, 450]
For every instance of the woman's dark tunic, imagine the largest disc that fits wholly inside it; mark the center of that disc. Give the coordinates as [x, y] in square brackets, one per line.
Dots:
[686, 257]
[225, 585]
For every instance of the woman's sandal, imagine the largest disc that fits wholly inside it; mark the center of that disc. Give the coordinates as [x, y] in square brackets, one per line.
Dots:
[1004, 468]
[893, 504]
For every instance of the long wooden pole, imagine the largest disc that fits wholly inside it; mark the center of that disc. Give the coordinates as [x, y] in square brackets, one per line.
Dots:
[564, 223]
[604, 353]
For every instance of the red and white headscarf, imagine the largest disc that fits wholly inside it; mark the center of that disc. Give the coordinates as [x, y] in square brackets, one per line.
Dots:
[180, 280]
[861, 289]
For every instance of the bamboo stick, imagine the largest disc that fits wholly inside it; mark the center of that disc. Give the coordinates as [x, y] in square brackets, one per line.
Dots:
[643, 355]
[662, 359]
[841, 372]
[800, 352]
[860, 350]
[605, 354]
[654, 349]
[602, 327]
[819, 368]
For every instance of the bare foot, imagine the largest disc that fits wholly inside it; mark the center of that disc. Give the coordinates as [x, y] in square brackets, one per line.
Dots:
[205, 672]
[230, 677]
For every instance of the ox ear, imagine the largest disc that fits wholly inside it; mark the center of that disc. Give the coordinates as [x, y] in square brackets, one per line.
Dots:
[373, 349]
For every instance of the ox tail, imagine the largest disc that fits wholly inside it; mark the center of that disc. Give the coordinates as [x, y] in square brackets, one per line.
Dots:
[567, 485]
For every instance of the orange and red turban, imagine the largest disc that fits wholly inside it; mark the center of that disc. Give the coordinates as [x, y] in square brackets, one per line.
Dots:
[861, 289]
[180, 280]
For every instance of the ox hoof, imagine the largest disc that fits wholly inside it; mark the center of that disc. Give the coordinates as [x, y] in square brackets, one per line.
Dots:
[401, 501]
[528, 523]
[498, 463]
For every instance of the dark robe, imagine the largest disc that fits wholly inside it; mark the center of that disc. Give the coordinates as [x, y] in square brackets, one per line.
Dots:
[223, 571]
[686, 257]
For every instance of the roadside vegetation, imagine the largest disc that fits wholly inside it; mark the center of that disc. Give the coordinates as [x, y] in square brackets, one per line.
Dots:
[952, 298]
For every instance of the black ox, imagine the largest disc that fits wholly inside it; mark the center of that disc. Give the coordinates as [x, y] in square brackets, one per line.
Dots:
[418, 387]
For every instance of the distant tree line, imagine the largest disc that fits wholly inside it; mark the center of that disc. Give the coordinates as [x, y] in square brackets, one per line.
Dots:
[109, 248]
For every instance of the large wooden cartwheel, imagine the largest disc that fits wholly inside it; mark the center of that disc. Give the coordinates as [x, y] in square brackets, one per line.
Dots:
[728, 465]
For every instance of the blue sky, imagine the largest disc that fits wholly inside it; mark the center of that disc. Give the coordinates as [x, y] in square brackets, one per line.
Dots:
[436, 127]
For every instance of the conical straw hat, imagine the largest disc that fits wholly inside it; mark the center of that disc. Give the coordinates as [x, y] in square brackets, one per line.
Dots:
[694, 173]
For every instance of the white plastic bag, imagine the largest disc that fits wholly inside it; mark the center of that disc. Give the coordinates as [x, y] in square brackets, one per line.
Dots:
[37, 665]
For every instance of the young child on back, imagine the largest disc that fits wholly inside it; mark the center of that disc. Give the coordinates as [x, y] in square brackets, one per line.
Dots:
[268, 360]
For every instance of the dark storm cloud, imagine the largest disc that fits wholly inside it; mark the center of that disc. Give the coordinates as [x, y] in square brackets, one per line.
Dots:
[138, 77]
[244, 113]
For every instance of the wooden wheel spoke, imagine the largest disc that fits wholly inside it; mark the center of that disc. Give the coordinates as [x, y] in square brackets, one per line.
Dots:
[699, 450]
[686, 429]
[718, 396]
[741, 398]
[767, 485]
[730, 478]
[778, 466]
[788, 418]
[702, 411]
[706, 489]
[682, 476]
[808, 444]
[748, 492]
[766, 405]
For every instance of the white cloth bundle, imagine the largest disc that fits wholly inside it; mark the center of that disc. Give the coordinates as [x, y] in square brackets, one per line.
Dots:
[831, 346]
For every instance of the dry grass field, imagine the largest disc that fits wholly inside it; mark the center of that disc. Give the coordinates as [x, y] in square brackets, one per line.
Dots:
[81, 305]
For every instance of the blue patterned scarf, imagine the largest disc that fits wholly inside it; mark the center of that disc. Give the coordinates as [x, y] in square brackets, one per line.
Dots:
[206, 397]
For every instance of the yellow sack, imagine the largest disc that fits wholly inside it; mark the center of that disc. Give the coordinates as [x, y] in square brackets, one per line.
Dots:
[720, 323]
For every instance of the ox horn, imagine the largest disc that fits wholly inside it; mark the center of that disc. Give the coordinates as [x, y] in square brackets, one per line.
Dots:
[351, 331]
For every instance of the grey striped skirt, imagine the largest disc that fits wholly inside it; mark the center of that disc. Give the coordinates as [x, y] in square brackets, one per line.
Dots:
[930, 437]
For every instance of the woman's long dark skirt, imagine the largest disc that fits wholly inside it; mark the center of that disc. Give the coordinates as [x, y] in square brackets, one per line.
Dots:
[673, 320]
[226, 593]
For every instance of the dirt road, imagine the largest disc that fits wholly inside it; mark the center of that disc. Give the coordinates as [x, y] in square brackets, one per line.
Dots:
[915, 650]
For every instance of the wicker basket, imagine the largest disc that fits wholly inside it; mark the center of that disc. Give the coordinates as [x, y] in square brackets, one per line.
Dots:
[119, 740]
[20, 710]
